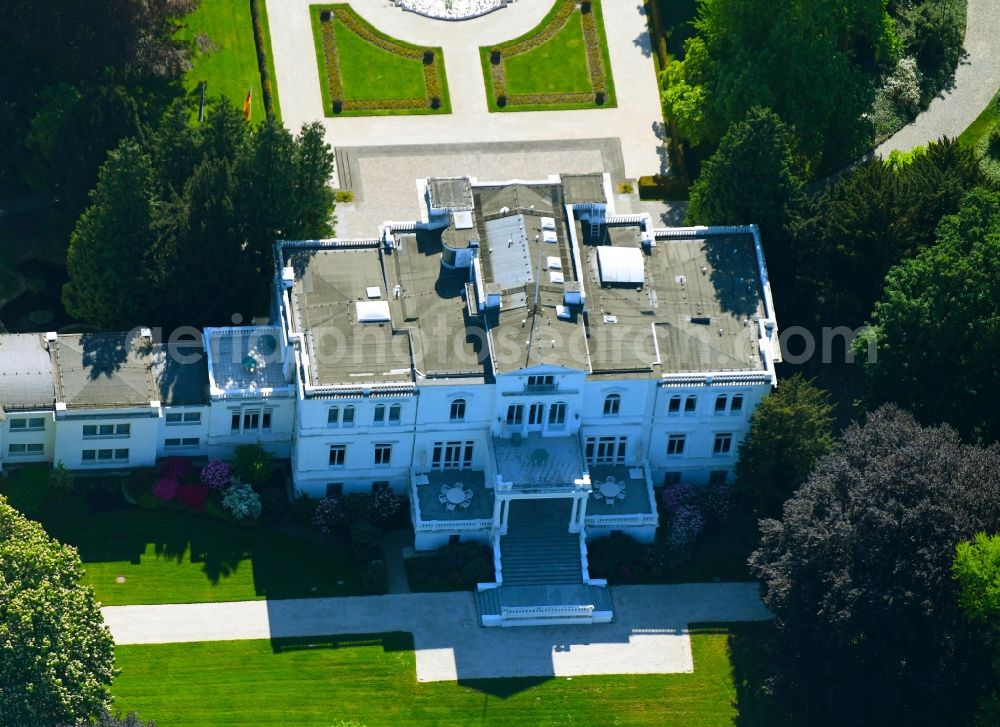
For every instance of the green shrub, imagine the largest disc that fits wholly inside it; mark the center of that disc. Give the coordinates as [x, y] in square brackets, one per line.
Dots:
[454, 567]
[988, 152]
[366, 542]
[666, 187]
[343, 195]
[252, 464]
[375, 578]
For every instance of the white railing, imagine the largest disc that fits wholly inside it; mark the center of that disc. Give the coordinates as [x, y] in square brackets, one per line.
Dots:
[632, 520]
[497, 567]
[546, 612]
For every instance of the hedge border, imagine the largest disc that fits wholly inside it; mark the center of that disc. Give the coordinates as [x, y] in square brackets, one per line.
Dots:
[261, 38]
[436, 99]
[595, 46]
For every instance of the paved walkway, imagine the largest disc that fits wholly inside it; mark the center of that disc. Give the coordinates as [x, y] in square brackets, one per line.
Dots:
[649, 635]
[637, 120]
[976, 81]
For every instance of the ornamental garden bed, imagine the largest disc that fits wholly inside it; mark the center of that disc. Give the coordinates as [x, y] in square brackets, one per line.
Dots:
[562, 63]
[364, 72]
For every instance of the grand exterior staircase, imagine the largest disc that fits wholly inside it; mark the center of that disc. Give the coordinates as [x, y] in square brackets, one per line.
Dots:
[538, 548]
[542, 572]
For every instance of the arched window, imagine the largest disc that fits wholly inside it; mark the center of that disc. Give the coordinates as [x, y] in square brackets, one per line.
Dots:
[457, 413]
[690, 404]
[379, 417]
[612, 405]
[557, 414]
[395, 412]
[347, 419]
[333, 416]
[675, 404]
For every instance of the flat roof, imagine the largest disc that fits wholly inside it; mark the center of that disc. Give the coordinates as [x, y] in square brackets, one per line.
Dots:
[26, 375]
[695, 311]
[96, 370]
[329, 283]
[180, 373]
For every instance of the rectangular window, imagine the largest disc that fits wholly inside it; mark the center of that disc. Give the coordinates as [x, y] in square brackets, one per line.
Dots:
[557, 414]
[174, 418]
[383, 454]
[606, 450]
[234, 422]
[35, 448]
[106, 431]
[29, 424]
[89, 455]
[671, 478]
[737, 404]
[541, 382]
[457, 410]
[379, 417]
[675, 444]
[395, 413]
[718, 477]
[338, 454]
[720, 404]
[723, 443]
[17, 449]
[121, 455]
[515, 415]
[251, 420]
[334, 489]
[181, 418]
[105, 455]
[452, 455]
[265, 422]
[178, 442]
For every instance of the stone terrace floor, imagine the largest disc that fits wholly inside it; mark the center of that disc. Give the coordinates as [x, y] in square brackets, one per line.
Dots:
[481, 507]
[636, 493]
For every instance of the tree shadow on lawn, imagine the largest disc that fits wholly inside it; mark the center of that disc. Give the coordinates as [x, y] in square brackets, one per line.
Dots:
[750, 653]
[391, 641]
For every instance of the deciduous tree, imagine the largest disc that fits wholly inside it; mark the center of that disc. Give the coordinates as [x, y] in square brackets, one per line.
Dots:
[56, 655]
[858, 575]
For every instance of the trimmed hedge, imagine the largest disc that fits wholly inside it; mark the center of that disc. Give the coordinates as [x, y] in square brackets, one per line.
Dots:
[430, 58]
[667, 187]
[261, 42]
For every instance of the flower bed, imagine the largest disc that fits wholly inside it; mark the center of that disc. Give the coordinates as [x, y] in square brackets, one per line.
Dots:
[331, 20]
[601, 91]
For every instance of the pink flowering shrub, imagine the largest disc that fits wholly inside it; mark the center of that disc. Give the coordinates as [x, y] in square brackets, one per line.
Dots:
[715, 502]
[193, 496]
[675, 497]
[216, 474]
[684, 527]
[165, 488]
[384, 505]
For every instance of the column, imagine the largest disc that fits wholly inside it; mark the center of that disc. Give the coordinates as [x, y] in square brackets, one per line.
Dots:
[574, 518]
[584, 496]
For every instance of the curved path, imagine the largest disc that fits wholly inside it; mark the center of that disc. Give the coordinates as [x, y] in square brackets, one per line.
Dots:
[977, 79]
[637, 121]
[648, 636]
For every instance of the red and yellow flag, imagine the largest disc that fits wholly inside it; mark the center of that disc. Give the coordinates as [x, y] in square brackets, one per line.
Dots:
[246, 104]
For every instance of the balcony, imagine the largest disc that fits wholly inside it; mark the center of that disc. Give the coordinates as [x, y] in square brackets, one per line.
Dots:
[637, 509]
[430, 515]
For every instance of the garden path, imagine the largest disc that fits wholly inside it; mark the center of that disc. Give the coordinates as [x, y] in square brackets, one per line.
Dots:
[649, 634]
[977, 79]
[637, 121]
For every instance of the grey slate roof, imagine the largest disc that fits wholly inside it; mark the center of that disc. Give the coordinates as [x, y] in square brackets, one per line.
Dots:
[26, 380]
[94, 370]
[180, 374]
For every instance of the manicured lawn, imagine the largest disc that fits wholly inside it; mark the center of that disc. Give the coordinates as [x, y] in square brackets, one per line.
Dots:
[373, 73]
[179, 557]
[554, 74]
[557, 66]
[373, 680]
[983, 122]
[229, 62]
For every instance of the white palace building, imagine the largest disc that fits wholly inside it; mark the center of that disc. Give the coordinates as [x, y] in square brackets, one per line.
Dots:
[522, 361]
